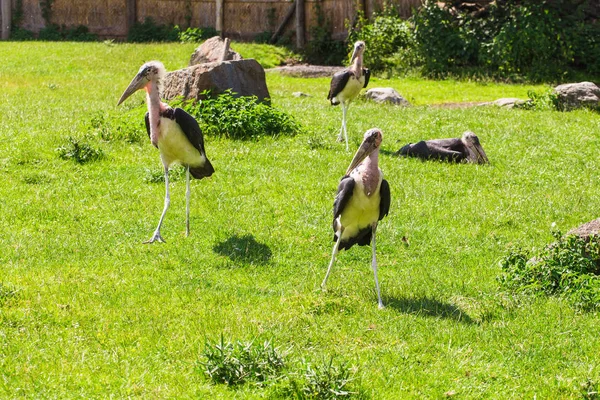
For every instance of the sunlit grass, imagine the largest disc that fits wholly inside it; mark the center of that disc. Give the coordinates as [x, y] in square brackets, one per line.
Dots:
[95, 313]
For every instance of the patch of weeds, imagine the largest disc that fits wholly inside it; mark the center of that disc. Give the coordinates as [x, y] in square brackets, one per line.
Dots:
[241, 117]
[237, 363]
[590, 390]
[324, 381]
[158, 175]
[7, 293]
[569, 268]
[316, 141]
[36, 178]
[79, 151]
[540, 101]
[125, 127]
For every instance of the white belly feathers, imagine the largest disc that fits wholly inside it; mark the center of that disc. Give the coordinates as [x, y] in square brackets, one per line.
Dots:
[352, 88]
[174, 146]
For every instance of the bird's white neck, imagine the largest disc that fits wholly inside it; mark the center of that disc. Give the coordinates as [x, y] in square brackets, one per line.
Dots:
[356, 66]
[155, 106]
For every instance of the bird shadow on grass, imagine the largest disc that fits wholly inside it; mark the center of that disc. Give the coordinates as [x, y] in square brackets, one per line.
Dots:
[244, 249]
[428, 307]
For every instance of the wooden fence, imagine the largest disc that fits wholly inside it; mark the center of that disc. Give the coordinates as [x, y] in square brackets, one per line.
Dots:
[240, 19]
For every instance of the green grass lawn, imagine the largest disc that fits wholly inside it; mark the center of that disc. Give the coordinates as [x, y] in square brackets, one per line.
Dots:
[88, 311]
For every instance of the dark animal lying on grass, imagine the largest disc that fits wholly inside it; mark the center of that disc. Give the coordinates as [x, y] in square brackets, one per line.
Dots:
[464, 149]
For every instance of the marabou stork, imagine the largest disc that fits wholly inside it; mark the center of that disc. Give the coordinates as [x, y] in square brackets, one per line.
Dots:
[362, 200]
[174, 132]
[346, 84]
[466, 148]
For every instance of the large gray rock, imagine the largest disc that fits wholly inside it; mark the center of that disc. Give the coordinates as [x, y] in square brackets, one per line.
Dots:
[211, 51]
[587, 229]
[578, 95]
[244, 77]
[386, 95]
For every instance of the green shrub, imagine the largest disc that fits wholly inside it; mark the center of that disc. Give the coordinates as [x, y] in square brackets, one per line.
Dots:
[197, 35]
[390, 41]
[545, 100]
[79, 151]
[150, 31]
[54, 32]
[237, 363]
[569, 268]
[239, 117]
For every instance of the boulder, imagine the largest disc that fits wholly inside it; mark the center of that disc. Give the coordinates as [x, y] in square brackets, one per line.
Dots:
[577, 95]
[211, 51]
[587, 229]
[386, 95]
[243, 77]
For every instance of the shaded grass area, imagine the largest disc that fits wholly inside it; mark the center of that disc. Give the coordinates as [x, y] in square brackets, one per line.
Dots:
[96, 313]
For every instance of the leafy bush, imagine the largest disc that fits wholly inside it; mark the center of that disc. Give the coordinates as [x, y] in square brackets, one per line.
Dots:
[150, 31]
[570, 268]
[390, 41]
[197, 35]
[546, 100]
[79, 151]
[54, 32]
[237, 363]
[239, 117]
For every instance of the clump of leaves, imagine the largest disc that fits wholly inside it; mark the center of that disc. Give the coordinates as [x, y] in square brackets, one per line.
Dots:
[539, 101]
[241, 117]
[7, 293]
[569, 268]
[197, 35]
[238, 362]
[79, 151]
[54, 32]
[325, 381]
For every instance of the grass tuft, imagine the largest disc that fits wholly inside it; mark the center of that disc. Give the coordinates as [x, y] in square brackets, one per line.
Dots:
[79, 151]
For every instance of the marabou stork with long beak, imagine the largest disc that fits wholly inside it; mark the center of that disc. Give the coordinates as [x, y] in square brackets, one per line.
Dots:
[362, 200]
[346, 84]
[174, 132]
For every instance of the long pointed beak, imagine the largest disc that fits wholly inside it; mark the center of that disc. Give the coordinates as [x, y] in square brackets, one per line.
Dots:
[363, 151]
[354, 55]
[481, 156]
[136, 84]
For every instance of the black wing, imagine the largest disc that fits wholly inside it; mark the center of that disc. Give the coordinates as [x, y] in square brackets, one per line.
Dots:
[147, 119]
[343, 196]
[367, 73]
[338, 83]
[192, 131]
[386, 199]
[190, 128]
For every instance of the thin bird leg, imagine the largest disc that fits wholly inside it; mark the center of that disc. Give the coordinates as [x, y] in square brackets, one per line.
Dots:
[333, 254]
[374, 265]
[344, 124]
[156, 236]
[187, 203]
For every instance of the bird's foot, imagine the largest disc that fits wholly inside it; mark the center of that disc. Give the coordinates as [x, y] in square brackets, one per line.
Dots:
[381, 306]
[340, 138]
[155, 238]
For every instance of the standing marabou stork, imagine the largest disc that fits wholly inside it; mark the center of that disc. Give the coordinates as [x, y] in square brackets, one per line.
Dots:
[174, 132]
[346, 84]
[362, 200]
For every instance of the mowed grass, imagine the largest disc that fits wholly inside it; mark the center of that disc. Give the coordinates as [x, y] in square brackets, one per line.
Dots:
[87, 310]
